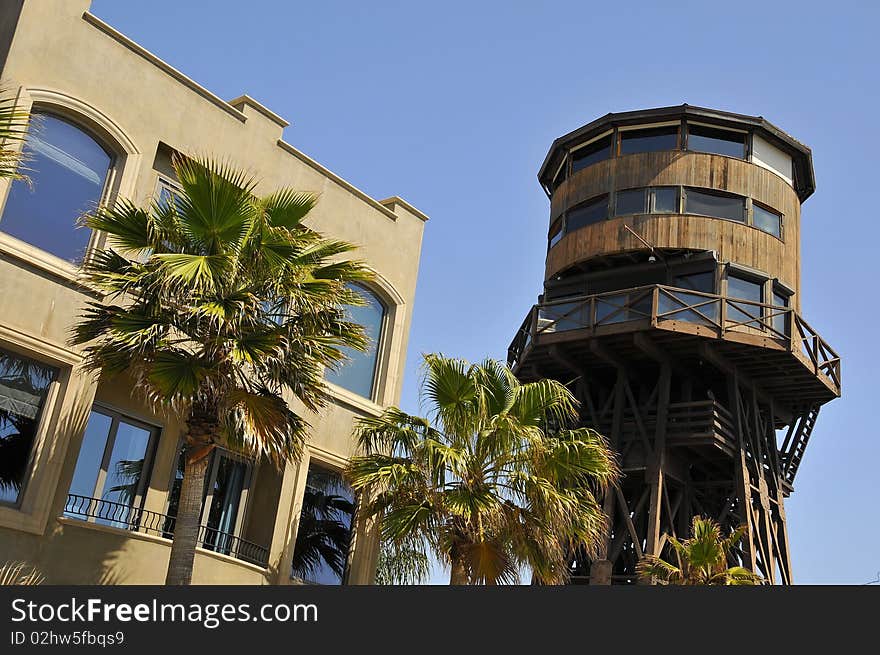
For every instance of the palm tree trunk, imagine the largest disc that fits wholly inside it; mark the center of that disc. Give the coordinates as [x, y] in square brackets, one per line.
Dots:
[186, 529]
[458, 575]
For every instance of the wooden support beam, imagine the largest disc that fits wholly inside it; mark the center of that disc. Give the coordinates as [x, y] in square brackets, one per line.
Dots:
[711, 354]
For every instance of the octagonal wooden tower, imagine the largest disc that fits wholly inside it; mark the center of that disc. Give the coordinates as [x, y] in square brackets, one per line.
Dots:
[671, 308]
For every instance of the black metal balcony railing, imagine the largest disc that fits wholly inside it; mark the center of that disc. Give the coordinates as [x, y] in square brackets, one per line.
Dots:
[126, 517]
[659, 304]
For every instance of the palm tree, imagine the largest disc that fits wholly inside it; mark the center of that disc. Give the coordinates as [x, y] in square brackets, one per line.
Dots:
[19, 573]
[501, 483]
[402, 564]
[702, 559]
[13, 130]
[220, 305]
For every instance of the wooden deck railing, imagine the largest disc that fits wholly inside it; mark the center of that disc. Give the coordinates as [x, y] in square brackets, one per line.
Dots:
[659, 304]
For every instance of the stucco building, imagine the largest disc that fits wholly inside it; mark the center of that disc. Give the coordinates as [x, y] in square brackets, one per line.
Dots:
[88, 473]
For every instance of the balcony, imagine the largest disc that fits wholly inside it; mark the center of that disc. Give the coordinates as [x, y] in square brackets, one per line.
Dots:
[126, 517]
[772, 344]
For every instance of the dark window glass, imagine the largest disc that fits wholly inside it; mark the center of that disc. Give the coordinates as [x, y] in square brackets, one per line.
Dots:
[716, 141]
[24, 385]
[595, 152]
[745, 289]
[665, 200]
[586, 214]
[223, 495]
[227, 486]
[767, 220]
[651, 140]
[555, 233]
[324, 534]
[358, 373]
[67, 171]
[111, 465]
[714, 204]
[560, 177]
[780, 324]
[174, 493]
[631, 201]
[702, 282]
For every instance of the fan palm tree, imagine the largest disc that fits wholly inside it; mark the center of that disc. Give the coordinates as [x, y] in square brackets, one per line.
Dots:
[13, 130]
[702, 559]
[220, 305]
[19, 573]
[500, 483]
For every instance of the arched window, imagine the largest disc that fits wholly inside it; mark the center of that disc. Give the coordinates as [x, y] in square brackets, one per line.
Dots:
[358, 373]
[67, 170]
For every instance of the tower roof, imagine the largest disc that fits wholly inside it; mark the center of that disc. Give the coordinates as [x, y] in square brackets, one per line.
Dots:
[802, 157]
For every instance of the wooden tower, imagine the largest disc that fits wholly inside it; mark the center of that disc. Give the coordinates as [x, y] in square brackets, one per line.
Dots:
[671, 308]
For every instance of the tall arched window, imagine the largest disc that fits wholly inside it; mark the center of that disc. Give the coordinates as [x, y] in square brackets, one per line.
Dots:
[67, 170]
[358, 373]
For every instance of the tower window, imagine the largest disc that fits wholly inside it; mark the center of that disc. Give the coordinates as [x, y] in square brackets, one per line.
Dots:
[779, 319]
[717, 205]
[664, 200]
[596, 151]
[586, 214]
[652, 139]
[716, 141]
[556, 233]
[659, 200]
[744, 288]
[632, 201]
[767, 220]
[560, 176]
[704, 282]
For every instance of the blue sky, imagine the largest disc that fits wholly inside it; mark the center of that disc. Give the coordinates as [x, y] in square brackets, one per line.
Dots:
[453, 106]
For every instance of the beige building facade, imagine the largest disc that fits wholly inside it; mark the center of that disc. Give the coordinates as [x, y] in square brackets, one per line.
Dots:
[88, 473]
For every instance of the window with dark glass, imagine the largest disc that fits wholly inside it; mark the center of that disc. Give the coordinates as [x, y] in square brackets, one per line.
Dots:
[112, 465]
[324, 534]
[223, 500]
[631, 201]
[358, 372]
[717, 205]
[779, 319]
[67, 170]
[560, 176]
[767, 220]
[716, 141]
[24, 385]
[704, 282]
[586, 214]
[555, 233]
[701, 309]
[664, 200]
[596, 151]
[653, 139]
[167, 192]
[744, 288]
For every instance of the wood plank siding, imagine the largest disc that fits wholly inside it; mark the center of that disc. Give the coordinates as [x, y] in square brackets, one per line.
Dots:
[734, 242]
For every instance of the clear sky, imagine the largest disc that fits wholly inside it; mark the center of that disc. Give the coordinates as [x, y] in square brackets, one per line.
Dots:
[453, 105]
